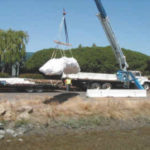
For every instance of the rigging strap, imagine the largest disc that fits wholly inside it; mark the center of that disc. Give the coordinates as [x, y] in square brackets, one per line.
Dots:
[58, 42]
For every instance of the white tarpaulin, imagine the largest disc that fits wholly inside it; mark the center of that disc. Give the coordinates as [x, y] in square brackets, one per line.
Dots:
[13, 81]
[58, 66]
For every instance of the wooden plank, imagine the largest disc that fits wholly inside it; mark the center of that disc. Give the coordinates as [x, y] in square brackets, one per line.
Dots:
[62, 43]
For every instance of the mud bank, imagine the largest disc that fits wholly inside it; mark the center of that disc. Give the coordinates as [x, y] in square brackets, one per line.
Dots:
[98, 140]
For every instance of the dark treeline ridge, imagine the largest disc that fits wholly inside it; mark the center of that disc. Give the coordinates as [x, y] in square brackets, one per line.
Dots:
[92, 59]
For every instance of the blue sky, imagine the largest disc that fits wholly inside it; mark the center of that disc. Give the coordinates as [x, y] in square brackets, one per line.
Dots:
[130, 20]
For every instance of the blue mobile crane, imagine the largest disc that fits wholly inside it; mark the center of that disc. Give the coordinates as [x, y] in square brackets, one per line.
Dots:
[123, 74]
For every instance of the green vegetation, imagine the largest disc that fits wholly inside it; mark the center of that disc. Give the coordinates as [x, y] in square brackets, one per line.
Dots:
[4, 75]
[12, 49]
[93, 59]
[20, 123]
[31, 75]
[38, 59]
[28, 55]
[92, 121]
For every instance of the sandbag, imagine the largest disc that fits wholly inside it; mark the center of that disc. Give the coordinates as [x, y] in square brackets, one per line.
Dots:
[71, 66]
[13, 81]
[58, 66]
[53, 67]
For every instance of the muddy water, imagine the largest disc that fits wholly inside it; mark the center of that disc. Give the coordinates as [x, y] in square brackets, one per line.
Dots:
[137, 139]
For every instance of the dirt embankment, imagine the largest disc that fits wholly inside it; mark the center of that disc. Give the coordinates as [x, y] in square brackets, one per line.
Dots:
[72, 109]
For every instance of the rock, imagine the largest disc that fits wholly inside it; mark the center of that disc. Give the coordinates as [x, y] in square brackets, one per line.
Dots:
[8, 141]
[21, 131]
[10, 131]
[20, 140]
[1, 126]
[24, 116]
[1, 137]
[15, 134]
[2, 110]
[2, 134]
[27, 109]
[9, 115]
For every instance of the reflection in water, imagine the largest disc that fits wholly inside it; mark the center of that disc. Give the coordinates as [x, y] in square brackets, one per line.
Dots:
[94, 140]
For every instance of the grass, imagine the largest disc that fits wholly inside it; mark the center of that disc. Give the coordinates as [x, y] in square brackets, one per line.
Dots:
[20, 123]
[76, 111]
[83, 122]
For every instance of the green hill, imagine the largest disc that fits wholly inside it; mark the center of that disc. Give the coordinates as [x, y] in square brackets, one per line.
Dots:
[93, 59]
[28, 55]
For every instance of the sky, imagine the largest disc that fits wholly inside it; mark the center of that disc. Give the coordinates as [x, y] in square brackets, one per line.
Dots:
[130, 20]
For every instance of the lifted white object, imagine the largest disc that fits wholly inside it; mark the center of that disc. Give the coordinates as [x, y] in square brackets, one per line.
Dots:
[96, 93]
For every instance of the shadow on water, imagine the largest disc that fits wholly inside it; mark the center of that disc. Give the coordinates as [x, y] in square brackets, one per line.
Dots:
[60, 98]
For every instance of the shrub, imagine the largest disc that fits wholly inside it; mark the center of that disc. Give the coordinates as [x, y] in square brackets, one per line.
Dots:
[4, 75]
[20, 123]
[30, 75]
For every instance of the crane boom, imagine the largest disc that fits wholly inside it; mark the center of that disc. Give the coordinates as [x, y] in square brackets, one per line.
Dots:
[123, 75]
[111, 36]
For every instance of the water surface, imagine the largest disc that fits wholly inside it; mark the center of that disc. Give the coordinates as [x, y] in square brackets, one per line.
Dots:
[135, 139]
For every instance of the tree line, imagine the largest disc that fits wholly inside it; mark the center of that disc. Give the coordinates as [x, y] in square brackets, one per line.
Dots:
[12, 50]
[92, 59]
